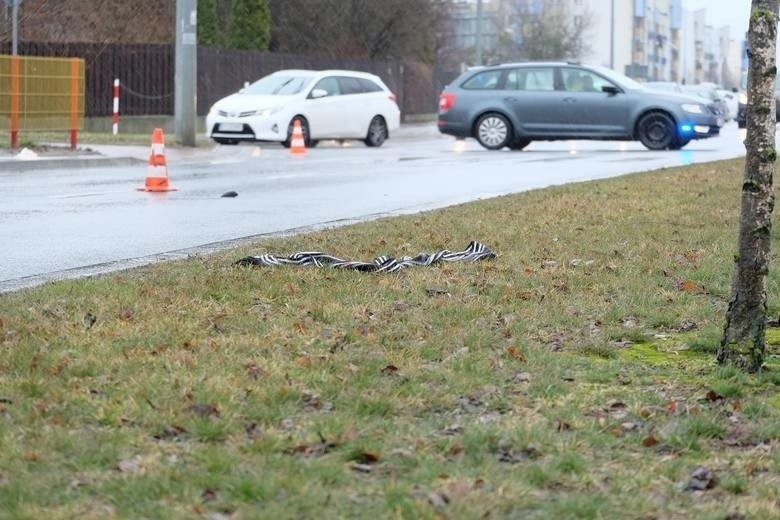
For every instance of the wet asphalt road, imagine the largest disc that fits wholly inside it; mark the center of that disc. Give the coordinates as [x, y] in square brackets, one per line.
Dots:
[52, 223]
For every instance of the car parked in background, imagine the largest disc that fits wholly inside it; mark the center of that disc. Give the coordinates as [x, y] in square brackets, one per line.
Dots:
[730, 98]
[709, 91]
[664, 86]
[329, 104]
[512, 104]
[706, 92]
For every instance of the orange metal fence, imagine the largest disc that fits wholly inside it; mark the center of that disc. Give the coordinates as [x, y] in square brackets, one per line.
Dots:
[41, 94]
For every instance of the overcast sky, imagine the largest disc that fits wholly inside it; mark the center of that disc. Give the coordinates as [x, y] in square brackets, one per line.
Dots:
[724, 12]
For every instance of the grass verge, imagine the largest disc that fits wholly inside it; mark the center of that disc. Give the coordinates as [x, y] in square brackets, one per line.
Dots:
[572, 377]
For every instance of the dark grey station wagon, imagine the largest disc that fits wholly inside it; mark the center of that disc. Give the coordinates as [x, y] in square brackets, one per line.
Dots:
[512, 104]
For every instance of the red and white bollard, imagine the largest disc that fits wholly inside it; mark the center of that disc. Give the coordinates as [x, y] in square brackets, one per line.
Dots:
[115, 119]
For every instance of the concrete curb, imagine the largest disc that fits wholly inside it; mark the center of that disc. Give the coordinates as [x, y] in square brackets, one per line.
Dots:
[13, 165]
[122, 155]
[91, 271]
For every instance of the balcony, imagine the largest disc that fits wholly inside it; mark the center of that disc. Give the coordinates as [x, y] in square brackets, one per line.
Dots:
[635, 70]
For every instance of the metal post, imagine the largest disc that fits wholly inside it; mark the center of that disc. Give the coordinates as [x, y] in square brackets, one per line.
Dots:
[15, 26]
[115, 115]
[479, 32]
[185, 76]
[612, 36]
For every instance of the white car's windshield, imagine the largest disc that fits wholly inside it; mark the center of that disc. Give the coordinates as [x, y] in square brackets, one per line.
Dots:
[278, 85]
[620, 79]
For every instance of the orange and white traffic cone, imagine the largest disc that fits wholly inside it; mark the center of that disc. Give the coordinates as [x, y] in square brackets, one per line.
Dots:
[297, 142]
[157, 170]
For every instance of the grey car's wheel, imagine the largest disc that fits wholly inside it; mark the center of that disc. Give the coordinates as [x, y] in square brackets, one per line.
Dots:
[656, 131]
[519, 144]
[377, 132]
[304, 129]
[493, 131]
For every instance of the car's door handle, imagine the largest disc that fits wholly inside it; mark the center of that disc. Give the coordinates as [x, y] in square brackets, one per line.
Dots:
[569, 100]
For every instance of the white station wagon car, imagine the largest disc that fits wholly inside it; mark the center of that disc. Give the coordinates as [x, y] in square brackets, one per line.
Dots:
[329, 104]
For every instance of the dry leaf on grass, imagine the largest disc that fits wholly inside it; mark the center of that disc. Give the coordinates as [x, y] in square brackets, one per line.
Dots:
[515, 353]
[203, 410]
[128, 466]
[650, 441]
[170, 432]
[690, 287]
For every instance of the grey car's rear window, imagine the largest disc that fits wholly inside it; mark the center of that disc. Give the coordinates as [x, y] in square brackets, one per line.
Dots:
[528, 78]
[487, 80]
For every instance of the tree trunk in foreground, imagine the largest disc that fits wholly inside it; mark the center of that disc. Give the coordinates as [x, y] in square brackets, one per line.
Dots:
[743, 335]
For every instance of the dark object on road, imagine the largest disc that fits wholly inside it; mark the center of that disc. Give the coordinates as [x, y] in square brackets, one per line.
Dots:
[230, 194]
[473, 252]
[512, 104]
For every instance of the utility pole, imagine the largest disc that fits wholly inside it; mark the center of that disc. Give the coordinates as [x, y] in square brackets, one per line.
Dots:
[14, 5]
[185, 77]
[612, 36]
[479, 32]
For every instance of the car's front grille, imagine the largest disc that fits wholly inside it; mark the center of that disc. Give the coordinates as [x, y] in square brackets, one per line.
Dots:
[246, 132]
[222, 113]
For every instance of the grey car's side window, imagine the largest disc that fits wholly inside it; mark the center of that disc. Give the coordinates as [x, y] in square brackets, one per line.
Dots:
[330, 85]
[578, 80]
[534, 79]
[487, 80]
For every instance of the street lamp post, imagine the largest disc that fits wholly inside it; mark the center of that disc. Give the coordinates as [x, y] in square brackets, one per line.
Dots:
[479, 32]
[185, 74]
[612, 36]
[14, 5]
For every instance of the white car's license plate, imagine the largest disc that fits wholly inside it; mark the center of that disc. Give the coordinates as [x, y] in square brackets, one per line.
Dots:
[231, 127]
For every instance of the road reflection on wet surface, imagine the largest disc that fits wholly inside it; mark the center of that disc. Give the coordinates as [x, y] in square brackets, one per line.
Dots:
[52, 221]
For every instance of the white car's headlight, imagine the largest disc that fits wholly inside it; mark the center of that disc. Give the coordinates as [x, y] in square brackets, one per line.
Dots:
[743, 98]
[268, 111]
[692, 108]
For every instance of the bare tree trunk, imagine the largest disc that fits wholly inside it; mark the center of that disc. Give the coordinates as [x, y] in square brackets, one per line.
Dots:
[743, 335]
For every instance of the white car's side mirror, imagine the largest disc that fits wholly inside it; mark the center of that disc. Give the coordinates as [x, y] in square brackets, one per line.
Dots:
[318, 93]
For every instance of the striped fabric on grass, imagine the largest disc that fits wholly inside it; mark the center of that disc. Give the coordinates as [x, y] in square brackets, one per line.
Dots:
[472, 253]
